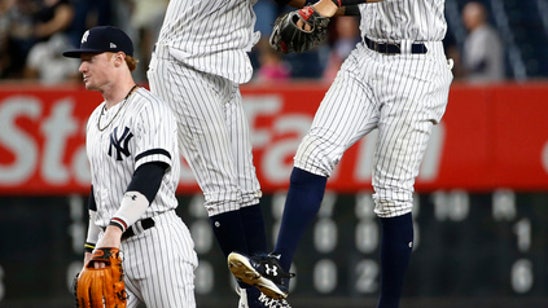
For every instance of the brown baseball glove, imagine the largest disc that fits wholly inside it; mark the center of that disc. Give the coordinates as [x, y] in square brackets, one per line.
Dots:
[104, 286]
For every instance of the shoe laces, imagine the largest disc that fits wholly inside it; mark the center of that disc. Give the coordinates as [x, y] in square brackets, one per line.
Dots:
[273, 303]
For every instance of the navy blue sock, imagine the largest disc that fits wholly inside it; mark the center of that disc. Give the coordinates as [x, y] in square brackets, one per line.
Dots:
[396, 247]
[254, 228]
[253, 298]
[229, 232]
[304, 198]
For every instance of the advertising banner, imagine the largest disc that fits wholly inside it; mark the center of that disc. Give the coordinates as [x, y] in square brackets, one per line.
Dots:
[489, 137]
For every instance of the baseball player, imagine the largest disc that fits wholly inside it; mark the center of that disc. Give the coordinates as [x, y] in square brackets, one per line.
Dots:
[396, 80]
[200, 59]
[135, 167]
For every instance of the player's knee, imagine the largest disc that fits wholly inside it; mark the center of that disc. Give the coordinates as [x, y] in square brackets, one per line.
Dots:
[222, 202]
[251, 198]
[387, 207]
[317, 155]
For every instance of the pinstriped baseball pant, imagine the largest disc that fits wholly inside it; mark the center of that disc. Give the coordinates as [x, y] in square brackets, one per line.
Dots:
[402, 96]
[214, 134]
[159, 264]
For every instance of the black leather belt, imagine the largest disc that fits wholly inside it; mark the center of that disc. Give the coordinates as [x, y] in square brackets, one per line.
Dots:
[146, 223]
[388, 48]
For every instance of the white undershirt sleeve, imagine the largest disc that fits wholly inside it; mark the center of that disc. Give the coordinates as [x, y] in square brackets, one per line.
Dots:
[93, 232]
[132, 208]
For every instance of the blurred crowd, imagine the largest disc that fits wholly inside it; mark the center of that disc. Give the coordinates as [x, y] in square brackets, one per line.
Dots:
[33, 33]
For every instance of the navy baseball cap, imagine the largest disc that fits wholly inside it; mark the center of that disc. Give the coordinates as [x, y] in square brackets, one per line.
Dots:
[102, 39]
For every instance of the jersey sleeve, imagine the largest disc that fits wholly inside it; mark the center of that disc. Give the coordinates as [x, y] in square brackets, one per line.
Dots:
[157, 135]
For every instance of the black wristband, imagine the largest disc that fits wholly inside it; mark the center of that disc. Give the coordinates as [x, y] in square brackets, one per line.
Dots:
[340, 3]
[282, 2]
[88, 247]
[117, 222]
[352, 10]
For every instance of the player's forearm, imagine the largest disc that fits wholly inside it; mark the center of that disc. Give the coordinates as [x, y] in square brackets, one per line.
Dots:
[93, 232]
[294, 3]
[87, 257]
[330, 8]
[340, 3]
[351, 10]
[134, 204]
[141, 191]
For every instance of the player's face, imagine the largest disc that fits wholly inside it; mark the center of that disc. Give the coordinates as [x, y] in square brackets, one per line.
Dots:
[96, 70]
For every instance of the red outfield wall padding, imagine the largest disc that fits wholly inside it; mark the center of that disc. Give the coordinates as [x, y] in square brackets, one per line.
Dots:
[490, 137]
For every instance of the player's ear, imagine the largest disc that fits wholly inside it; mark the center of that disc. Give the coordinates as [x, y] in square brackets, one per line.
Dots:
[119, 58]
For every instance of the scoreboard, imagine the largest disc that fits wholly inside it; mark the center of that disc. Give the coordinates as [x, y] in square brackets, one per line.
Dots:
[473, 245]
[469, 245]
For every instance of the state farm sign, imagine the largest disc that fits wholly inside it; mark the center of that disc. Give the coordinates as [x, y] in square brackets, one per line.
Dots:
[489, 137]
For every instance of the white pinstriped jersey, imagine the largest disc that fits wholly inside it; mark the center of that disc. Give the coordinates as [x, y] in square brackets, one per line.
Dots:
[398, 20]
[136, 131]
[212, 36]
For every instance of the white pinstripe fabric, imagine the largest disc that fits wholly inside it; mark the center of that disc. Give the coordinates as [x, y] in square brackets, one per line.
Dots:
[212, 36]
[402, 95]
[159, 265]
[152, 126]
[398, 20]
[213, 131]
[199, 61]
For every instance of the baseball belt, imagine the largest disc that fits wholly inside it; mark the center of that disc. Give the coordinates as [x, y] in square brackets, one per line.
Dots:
[391, 48]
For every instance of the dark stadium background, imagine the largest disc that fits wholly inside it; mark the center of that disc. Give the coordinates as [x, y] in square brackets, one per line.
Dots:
[482, 247]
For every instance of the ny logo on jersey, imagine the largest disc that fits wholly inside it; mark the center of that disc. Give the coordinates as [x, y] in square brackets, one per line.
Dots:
[121, 145]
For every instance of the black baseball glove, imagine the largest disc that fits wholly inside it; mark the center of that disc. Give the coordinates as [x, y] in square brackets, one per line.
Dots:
[288, 37]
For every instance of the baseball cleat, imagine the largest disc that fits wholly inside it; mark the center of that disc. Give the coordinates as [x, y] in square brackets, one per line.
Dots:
[263, 272]
[253, 298]
[273, 303]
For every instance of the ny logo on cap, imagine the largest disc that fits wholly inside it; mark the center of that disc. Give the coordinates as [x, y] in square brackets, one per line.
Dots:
[112, 45]
[85, 37]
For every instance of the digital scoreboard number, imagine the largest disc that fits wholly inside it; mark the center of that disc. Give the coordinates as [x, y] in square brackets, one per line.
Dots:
[482, 245]
[479, 245]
